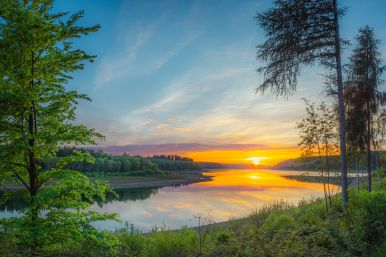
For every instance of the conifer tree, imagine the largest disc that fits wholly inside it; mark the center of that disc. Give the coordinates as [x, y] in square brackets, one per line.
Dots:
[301, 33]
[364, 96]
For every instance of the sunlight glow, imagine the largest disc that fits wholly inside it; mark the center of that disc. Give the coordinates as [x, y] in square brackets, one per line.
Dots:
[256, 160]
[271, 156]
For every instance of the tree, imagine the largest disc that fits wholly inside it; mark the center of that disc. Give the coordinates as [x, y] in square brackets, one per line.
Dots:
[379, 140]
[355, 133]
[37, 113]
[328, 130]
[365, 99]
[318, 136]
[301, 33]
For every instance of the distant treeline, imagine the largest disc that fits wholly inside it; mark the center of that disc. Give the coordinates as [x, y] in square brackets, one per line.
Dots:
[317, 164]
[125, 164]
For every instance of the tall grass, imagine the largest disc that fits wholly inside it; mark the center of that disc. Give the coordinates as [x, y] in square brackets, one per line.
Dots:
[279, 229]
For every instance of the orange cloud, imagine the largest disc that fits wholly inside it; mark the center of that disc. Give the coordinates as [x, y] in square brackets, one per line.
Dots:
[267, 157]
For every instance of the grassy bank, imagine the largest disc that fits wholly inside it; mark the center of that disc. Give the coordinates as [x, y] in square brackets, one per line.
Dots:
[155, 180]
[137, 180]
[107, 175]
[279, 229]
[336, 180]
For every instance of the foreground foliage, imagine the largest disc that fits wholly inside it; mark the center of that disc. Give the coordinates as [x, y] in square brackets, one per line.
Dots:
[37, 58]
[277, 230]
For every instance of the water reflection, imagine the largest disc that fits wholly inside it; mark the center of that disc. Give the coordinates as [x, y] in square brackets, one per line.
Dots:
[122, 195]
[231, 193]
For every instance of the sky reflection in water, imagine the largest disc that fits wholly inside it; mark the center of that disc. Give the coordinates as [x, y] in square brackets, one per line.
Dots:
[231, 193]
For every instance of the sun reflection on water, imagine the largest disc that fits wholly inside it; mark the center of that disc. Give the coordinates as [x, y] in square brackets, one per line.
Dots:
[231, 193]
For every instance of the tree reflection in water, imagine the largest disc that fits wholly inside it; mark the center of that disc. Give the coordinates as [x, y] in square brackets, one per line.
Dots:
[13, 201]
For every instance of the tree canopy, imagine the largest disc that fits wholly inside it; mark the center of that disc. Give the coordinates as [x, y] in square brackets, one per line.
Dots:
[37, 58]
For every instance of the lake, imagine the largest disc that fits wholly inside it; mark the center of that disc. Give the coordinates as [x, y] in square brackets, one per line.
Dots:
[231, 194]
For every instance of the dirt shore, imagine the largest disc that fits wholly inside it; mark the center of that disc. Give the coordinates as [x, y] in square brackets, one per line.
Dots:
[122, 182]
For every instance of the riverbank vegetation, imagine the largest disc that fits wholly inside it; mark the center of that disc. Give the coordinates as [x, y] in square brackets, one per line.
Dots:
[280, 229]
[313, 163]
[108, 165]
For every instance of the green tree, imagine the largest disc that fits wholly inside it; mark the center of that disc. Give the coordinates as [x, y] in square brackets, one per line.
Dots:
[328, 131]
[379, 140]
[364, 95]
[37, 113]
[300, 33]
[318, 134]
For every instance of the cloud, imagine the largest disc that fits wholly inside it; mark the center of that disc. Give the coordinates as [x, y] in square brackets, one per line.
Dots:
[145, 49]
[213, 104]
[115, 67]
[205, 93]
[180, 148]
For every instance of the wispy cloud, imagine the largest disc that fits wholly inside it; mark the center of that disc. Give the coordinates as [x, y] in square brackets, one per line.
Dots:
[181, 148]
[145, 49]
[114, 67]
[188, 75]
[212, 106]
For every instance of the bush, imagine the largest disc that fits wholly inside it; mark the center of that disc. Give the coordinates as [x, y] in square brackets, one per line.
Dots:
[183, 242]
[276, 230]
[168, 244]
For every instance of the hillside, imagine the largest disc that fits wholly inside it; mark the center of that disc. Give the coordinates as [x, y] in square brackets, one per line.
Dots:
[315, 163]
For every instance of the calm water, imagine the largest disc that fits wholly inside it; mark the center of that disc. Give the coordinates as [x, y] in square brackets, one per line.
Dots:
[231, 194]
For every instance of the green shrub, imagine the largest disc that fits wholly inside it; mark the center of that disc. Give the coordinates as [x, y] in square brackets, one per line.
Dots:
[184, 242]
[277, 230]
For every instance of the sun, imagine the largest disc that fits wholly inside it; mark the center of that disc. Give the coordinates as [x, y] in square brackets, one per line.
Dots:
[256, 160]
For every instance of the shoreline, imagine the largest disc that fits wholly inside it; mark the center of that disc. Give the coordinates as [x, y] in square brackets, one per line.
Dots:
[173, 179]
[127, 182]
[227, 223]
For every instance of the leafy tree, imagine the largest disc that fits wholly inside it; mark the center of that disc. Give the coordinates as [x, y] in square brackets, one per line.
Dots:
[379, 140]
[318, 133]
[37, 113]
[364, 96]
[300, 33]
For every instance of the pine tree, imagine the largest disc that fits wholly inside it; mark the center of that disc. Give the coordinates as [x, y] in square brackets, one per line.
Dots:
[364, 97]
[301, 33]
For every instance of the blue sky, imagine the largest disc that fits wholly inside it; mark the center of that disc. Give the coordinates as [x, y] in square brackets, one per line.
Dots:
[184, 72]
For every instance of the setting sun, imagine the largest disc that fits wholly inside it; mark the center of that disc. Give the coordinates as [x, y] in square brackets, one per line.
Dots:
[271, 156]
[256, 160]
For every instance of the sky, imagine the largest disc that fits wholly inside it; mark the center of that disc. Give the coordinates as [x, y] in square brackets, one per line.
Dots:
[184, 73]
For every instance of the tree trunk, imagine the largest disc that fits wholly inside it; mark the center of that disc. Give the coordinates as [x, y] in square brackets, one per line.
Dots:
[322, 173]
[369, 147]
[357, 170]
[328, 173]
[32, 172]
[377, 159]
[31, 154]
[342, 121]
[32, 167]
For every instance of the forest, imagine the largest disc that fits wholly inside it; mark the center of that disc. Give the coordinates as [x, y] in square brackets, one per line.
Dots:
[125, 164]
[313, 163]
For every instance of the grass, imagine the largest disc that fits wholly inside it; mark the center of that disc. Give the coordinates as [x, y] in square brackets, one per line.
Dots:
[381, 251]
[142, 173]
[277, 230]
